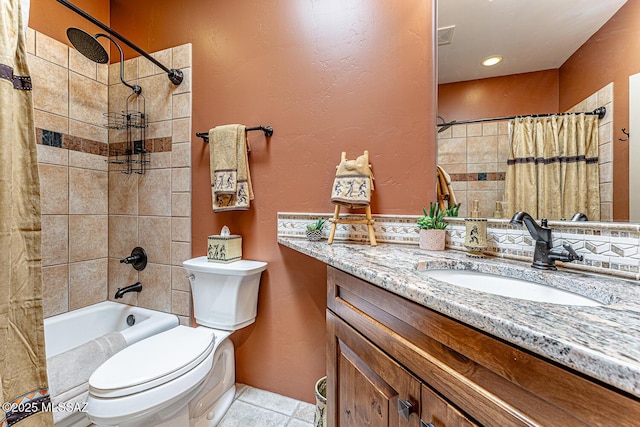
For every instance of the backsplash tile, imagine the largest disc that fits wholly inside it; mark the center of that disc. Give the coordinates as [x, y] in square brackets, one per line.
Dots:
[608, 248]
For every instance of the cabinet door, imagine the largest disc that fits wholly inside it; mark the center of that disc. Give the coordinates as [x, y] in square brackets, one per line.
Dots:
[437, 412]
[364, 386]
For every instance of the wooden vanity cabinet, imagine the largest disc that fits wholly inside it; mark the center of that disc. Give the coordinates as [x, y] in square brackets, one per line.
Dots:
[392, 362]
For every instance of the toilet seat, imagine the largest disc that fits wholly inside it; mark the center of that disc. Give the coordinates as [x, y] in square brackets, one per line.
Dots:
[152, 362]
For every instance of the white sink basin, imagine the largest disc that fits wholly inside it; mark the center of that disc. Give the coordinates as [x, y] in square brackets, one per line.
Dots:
[510, 287]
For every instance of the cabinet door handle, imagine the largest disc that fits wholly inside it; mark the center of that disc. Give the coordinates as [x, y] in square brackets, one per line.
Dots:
[405, 408]
[425, 424]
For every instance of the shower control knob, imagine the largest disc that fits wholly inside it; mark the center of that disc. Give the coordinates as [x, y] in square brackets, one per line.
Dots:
[138, 259]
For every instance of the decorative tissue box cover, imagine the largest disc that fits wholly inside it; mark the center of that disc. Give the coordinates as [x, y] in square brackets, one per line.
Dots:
[224, 249]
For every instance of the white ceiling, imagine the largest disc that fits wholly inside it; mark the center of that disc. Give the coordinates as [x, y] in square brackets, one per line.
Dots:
[531, 35]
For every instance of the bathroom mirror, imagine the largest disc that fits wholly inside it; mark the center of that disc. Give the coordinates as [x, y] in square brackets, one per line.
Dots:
[530, 39]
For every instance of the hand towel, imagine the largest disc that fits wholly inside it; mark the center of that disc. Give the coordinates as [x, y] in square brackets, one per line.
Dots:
[230, 177]
[353, 184]
[444, 189]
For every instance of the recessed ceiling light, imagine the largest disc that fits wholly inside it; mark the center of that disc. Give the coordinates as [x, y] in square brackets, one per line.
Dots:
[492, 60]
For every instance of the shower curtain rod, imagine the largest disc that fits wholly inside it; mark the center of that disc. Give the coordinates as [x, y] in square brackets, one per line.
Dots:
[174, 75]
[600, 112]
[268, 132]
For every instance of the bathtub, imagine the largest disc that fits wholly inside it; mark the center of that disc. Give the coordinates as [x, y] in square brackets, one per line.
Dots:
[69, 330]
[79, 341]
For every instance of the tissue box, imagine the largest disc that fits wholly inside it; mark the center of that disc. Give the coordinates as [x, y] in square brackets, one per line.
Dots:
[224, 249]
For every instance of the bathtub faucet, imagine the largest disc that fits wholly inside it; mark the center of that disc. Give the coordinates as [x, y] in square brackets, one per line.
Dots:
[544, 255]
[136, 287]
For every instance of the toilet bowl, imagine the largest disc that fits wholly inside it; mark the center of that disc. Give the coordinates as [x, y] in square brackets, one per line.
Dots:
[183, 377]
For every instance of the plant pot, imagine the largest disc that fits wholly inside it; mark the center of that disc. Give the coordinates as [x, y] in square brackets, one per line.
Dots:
[432, 240]
[320, 418]
[314, 235]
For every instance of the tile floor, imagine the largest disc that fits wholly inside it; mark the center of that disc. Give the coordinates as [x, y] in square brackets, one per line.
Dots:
[253, 407]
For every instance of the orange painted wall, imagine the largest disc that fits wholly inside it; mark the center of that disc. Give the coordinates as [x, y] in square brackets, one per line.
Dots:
[329, 76]
[52, 18]
[610, 55]
[517, 94]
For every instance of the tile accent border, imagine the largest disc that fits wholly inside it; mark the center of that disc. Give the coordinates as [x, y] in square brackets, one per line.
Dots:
[83, 145]
[608, 248]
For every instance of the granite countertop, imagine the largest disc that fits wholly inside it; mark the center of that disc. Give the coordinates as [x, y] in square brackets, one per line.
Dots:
[602, 342]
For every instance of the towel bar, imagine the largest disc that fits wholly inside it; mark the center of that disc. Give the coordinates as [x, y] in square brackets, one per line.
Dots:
[268, 132]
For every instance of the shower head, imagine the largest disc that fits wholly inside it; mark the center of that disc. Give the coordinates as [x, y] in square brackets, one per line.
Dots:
[90, 47]
[87, 45]
[444, 125]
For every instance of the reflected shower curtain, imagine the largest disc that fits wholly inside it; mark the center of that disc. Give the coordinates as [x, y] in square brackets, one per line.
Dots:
[552, 171]
[23, 389]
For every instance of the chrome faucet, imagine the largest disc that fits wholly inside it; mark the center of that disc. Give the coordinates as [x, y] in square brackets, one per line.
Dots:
[544, 255]
[136, 287]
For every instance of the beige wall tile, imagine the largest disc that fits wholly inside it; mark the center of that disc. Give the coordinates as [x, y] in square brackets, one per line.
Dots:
[120, 276]
[184, 321]
[606, 211]
[482, 149]
[55, 239]
[487, 201]
[181, 105]
[88, 237]
[454, 168]
[482, 167]
[88, 161]
[181, 155]
[606, 192]
[591, 103]
[55, 290]
[180, 252]
[459, 131]
[605, 154]
[123, 193]
[147, 68]
[605, 95]
[82, 65]
[154, 235]
[131, 70]
[87, 283]
[156, 287]
[443, 134]
[102, 73]
[490, 128]
[123, 235]
[52, 50]
[474, 129]
[482, 185]
[179, 280]
[118, 94]
[181, 229]
[88, 191]
[54, 189]
[503, 152]
[452, 151]
[180, 204]
[88, 131]
[182, 130]
[181, 303]
[52, 155]
[182, 56]
[50, 86]
[50, 121]
[605, 133]
[160, 160]
[154, 197]
[31, 41]
[159, 103]
[503, 127]
[159, 129]
[606, 172]
[88, 99]
[608, 117]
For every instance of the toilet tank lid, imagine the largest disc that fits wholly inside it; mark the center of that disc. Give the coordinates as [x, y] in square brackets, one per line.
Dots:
[243, 267]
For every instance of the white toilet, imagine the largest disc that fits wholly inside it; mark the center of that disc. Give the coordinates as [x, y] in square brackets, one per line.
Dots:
[184, 377]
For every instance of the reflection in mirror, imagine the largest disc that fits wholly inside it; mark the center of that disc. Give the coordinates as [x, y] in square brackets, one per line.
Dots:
[569, 72]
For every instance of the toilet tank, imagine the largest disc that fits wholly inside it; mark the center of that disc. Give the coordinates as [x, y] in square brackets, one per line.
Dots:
[225, 296]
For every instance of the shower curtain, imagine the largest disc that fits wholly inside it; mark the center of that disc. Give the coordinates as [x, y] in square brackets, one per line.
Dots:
[552, 170]
[23, 389]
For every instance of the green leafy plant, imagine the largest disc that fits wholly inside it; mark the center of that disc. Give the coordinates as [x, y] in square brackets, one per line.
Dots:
[453, 210]
[317, 225]
[434, 219]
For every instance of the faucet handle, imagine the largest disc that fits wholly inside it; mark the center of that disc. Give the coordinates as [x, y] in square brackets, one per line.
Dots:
[573, 255]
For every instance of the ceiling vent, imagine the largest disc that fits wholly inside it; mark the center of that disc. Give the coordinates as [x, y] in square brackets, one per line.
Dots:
[445, 35]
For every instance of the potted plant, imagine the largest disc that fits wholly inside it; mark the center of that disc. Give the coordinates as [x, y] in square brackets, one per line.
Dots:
[314, 231]
[432, 228]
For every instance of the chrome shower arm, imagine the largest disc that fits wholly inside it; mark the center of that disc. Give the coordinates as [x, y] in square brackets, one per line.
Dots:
[175, 75]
